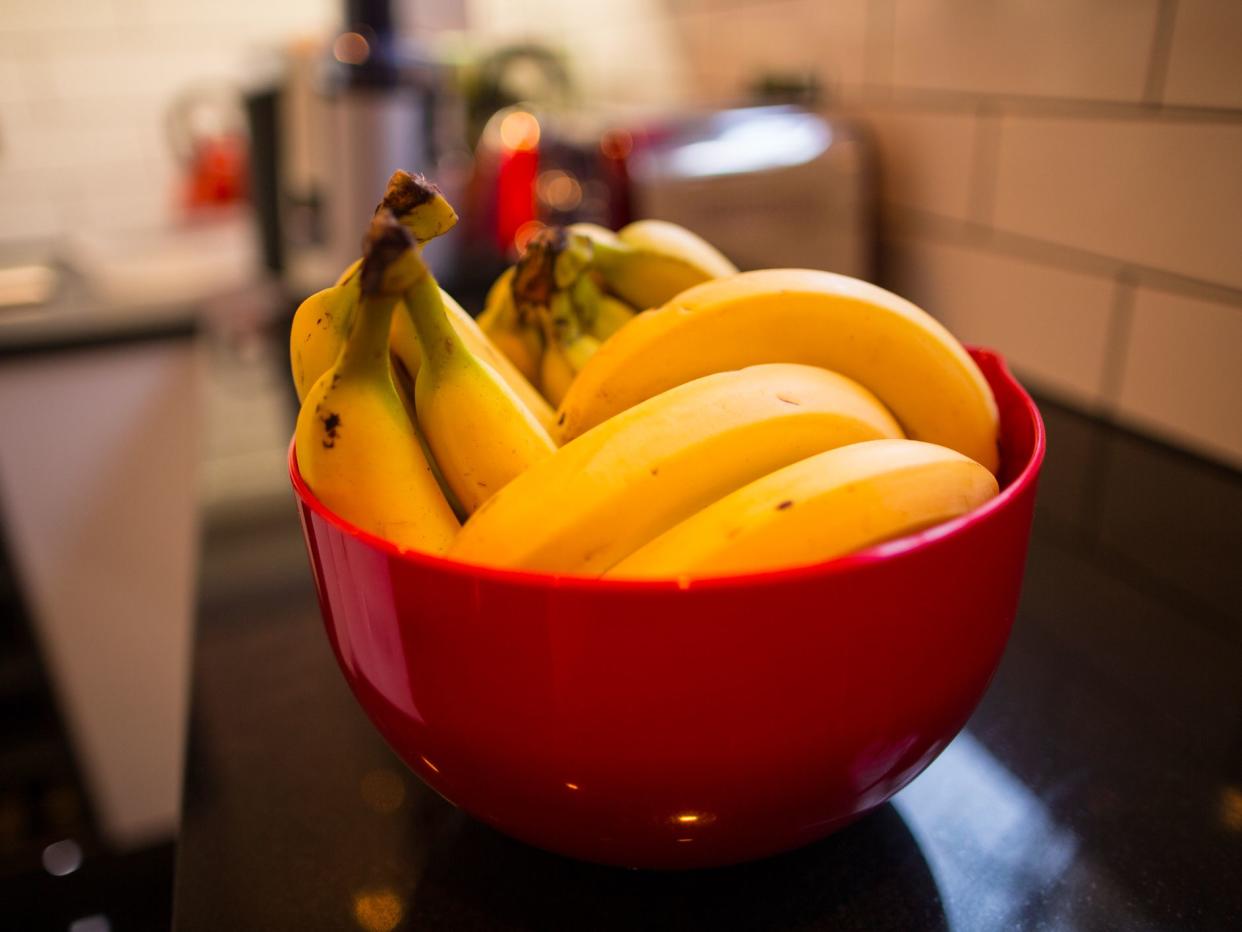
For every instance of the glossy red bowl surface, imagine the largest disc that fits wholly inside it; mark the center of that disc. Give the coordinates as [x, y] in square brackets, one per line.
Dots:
[652, 724]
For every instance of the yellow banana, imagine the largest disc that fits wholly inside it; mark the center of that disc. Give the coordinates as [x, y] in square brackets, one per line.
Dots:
[907, 358]
[675, 240]
[404, 341]
[405, 388]
[608, 492]
[821, 507]
[522, 345]
[495, 305]
[564, 354]
[481, 433]
[356, 446]
[323, 320]
[319, 329]
[556, 372]
[349, 272]
[649, 261]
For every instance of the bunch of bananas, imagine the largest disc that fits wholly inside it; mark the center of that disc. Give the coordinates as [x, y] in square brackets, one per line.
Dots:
[575, 287]
[706, 421]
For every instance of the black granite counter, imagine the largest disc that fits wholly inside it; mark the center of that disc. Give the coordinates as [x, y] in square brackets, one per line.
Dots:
[1098, 786]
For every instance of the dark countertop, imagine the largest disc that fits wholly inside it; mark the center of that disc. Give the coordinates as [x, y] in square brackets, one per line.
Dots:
[1098, 785]
[77, 317]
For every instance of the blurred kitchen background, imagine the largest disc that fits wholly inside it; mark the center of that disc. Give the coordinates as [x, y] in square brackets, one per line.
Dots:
[1060, 180]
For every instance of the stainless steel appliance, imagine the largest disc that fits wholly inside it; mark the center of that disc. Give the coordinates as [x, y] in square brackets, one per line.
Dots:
[774, 186]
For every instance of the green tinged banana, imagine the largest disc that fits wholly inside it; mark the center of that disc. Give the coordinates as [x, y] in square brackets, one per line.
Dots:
[554, 286]
[606, 276]
[612, 314]
[649, 261]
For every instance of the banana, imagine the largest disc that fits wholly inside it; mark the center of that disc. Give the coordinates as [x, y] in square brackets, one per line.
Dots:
[566, 350]
[522, 345]
[405, 345]
[611, 316]
[821, 507]
[600, 497]
[319, 329]
[556, 372]
[405, 388]
[649, 261]
[322, 322]
[675, 240]
[356, 447]
[481, 433]
[349, 272]
[553, 289]
[899, 352]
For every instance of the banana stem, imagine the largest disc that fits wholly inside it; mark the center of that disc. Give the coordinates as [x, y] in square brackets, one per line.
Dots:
[365, 352]
[418, 205]
[437, 337]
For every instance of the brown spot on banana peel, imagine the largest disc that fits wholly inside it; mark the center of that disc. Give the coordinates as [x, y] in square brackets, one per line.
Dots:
[787, 503]
[331, 429]
[789, 401]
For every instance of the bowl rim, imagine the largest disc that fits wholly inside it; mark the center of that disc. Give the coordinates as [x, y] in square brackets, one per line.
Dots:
[879, 553]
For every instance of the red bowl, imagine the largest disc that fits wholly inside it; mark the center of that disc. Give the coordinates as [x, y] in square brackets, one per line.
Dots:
[652, 724]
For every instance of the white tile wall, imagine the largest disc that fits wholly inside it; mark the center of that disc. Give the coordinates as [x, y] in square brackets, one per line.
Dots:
[926, 158]
[1203, 66]
[85, 84]
[1053, 48]
[1051, 324]
[1182, 375]
[1160, 193]
[709, 78]
[60, 14]
[842, 43]
[727, 45]
[629, 63]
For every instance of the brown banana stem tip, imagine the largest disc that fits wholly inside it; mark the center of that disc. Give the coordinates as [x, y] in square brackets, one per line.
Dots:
[386, 240]
[407, 191]
[534, 279]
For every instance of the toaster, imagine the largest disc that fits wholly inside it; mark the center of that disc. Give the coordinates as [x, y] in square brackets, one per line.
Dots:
[770, 186]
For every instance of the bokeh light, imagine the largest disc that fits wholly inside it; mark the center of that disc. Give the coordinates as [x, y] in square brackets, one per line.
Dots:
[524, 234]
[351, 48]
[378, 910]
[558, 189]
[519, 131]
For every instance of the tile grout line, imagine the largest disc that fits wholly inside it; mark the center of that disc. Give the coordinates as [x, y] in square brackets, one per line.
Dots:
[1037, 106]
[910, 221]
[1161, 53]
[981, 198]
[1118, 341]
